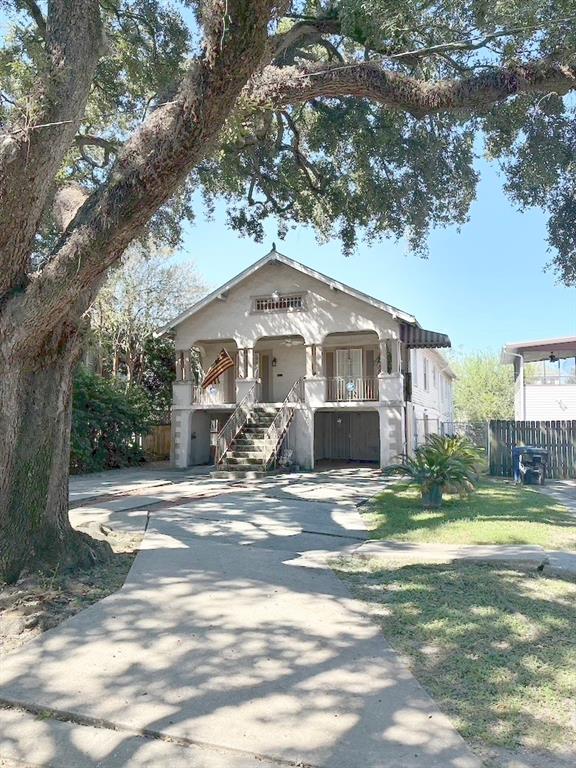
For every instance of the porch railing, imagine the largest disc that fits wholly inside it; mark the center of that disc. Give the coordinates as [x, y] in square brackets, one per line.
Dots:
[343, 388]
[210, 396]
[279, 427]
[234, 424]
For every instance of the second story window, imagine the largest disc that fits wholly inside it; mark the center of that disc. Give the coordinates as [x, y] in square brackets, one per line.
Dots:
[426, 374]
[277, 303]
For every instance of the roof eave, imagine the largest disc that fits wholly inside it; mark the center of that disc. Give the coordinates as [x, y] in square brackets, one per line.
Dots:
[271, 257]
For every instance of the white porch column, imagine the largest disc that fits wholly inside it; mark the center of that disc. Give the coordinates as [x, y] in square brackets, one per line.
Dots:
[390, 347]
[187, 372]
[390, 382]
[318, 360]
[310, 360]
[250, 362]
[383, 356]
[181, 437]
[179, 365]
[241, 363]
[391, 434]
[395, 347]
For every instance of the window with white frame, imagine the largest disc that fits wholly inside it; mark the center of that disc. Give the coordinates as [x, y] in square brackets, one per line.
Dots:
[414, 368]
[426, 373]
[434, 376]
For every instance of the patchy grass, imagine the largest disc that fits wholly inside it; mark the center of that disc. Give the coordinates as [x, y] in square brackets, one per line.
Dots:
[494, 645]
[497, 513]
[38, 602]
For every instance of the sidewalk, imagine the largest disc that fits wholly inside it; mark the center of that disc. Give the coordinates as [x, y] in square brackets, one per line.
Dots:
[122, 481]
[429, 553]
[229, 644]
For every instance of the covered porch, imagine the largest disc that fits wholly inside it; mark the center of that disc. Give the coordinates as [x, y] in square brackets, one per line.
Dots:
[343, 368]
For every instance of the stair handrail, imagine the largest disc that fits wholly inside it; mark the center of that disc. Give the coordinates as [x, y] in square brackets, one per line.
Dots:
[234, 424]
[281, 422]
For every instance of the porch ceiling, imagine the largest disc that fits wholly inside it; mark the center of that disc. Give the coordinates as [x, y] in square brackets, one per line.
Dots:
[533, 351]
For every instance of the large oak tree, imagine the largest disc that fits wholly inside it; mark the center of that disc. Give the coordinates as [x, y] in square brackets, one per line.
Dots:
[358, 117]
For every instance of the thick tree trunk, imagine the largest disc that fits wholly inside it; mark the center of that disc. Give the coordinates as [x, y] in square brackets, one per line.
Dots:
[35, 418]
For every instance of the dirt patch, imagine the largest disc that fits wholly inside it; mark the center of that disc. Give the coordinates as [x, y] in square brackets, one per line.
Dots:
[38, 602]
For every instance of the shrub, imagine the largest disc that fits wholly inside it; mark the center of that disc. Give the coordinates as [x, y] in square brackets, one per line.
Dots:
[440, 464]
[107, 421]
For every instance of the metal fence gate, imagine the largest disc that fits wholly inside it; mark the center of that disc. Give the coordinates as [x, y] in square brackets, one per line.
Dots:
[476, 432]
[558, 437]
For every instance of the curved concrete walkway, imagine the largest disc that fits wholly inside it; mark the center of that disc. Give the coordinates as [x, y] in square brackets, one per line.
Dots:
[229, 645]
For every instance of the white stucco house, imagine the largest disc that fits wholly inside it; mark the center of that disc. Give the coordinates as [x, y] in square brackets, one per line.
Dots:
[322, 372]
[545, 378]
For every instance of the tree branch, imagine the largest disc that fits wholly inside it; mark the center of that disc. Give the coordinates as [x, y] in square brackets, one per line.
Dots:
[472, 44]
[276, 87]
[309, 30]
[34, 10]
[108, 146]
[41, 130]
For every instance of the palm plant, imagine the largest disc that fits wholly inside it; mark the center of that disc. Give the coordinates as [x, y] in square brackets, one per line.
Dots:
[442, 462]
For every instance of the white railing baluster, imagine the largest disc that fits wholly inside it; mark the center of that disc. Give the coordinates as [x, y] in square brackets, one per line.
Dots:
[342, 388]
[206, 397]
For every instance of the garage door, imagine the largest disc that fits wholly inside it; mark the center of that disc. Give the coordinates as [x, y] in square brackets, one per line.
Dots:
[347, 436]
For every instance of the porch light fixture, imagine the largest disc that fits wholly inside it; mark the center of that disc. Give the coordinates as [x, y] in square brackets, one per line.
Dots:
[274, 362]
[553, 358]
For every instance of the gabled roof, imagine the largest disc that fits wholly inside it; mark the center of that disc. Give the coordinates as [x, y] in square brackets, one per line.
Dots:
[419, 338]
[270, 258]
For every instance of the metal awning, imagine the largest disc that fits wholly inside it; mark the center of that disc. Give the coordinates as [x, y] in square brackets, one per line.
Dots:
[418, 338]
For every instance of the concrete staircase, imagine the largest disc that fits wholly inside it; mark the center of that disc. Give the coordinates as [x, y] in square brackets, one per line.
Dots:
[248, 453]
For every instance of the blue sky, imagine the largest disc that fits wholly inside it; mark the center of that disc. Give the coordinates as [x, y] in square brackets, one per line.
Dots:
[483, 285]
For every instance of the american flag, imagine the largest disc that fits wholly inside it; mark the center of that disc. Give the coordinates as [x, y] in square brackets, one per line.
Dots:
[221, 364]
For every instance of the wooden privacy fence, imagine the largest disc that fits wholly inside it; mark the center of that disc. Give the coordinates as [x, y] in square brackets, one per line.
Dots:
[156, 444]
[559, 437]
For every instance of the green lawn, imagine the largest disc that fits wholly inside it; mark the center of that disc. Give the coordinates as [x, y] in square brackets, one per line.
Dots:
[495, 645]
[498, 513]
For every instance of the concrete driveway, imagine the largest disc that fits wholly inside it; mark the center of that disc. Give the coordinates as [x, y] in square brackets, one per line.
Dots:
[231, 644]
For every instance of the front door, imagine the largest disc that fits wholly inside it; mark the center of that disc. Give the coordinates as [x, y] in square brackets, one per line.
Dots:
[265, 382]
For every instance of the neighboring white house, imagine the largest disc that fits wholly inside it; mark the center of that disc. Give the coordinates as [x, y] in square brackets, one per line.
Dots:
[344, 376]
[545, 376]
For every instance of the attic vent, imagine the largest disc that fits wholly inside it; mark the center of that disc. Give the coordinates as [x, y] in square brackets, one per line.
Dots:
[278, 303]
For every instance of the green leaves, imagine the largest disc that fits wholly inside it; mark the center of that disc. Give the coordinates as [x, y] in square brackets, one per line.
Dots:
[484, 388]
[107, 421]
[442, 461]
[360, 171]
